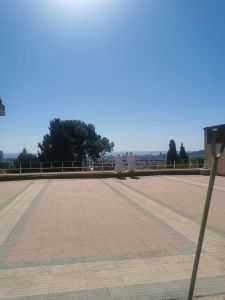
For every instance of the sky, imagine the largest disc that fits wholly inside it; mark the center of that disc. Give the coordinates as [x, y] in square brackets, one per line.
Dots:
[142, 71]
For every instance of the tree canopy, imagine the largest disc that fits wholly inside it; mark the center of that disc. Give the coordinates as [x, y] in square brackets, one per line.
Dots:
[24, 156]
[172, 152]
[183, 157]
[72, 140]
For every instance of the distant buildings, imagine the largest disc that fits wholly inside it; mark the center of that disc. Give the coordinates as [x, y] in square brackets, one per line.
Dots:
[220, 136]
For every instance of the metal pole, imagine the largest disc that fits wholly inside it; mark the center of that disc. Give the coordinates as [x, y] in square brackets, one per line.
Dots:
[216, 157]
[202, 229]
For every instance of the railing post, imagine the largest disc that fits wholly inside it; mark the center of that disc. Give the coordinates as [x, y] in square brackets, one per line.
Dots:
[62, 166]
[41, 168]
[174, 164]
[20, 167]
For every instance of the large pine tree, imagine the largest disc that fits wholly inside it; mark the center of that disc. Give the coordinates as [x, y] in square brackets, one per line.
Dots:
[72, 140]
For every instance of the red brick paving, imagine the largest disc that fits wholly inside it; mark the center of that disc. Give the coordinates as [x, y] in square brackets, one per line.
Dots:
[86, 218]
[219, 180]
[187, 198]
[10, 188]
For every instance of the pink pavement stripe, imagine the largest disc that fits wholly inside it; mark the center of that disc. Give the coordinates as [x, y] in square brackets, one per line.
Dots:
[202, 179]
[86, 218]
[10, 189]
[186, 198]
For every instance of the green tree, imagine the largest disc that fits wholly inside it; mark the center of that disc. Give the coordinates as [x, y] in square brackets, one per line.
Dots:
[72, 140]
[183, 157]
[24, 156]
[172, 153]
[57, 145]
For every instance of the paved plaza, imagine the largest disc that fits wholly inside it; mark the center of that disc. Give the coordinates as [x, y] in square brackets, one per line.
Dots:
[127, 238]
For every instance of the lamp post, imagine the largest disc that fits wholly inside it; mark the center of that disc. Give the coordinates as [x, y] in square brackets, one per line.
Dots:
[2, 113]
[216, 157]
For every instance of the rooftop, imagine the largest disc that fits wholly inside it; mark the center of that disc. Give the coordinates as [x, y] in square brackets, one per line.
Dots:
[215, 126]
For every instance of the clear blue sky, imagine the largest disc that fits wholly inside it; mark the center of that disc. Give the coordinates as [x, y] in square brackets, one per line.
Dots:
[142, 71]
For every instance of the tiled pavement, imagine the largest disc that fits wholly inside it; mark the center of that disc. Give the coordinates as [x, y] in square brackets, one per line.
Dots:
[132, 238]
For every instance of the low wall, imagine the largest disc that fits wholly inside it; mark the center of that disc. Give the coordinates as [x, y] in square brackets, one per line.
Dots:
[100, 174]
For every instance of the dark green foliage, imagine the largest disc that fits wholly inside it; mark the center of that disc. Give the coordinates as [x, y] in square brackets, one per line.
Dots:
[172, 153]
[57, 144]
[183, 157]
[2, 108]
[72, 140]
[26, 157]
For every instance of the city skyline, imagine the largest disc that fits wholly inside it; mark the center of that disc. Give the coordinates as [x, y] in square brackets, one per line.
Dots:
[143, 72]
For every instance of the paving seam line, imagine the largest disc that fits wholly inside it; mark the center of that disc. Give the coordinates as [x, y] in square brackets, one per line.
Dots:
[191, 218]
[14, 232]
[184, 226]
[158, 221]
[15, 201]
[217, 188]
[8, 201]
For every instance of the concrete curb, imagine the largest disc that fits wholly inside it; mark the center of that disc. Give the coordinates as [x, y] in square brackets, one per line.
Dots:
[101, 174]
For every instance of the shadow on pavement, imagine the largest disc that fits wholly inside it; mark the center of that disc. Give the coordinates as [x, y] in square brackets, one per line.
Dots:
[121, 178]
[134, 177]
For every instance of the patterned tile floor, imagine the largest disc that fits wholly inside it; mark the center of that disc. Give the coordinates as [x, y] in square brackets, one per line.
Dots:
[132, 238]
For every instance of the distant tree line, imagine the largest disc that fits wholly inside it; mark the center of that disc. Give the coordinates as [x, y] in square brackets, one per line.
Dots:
[173, 156]
[74, 140]
[24, 156]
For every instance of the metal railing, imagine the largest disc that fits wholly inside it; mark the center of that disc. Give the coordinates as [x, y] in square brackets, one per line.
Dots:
[56, 166]
[90, 166]
[163, 164]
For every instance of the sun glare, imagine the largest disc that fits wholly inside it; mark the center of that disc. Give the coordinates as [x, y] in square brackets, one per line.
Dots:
[82, 5]
[82, 2]
[68, 10]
